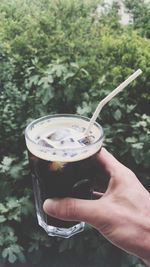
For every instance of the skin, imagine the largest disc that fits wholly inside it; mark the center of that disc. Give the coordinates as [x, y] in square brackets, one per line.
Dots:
[121, 215]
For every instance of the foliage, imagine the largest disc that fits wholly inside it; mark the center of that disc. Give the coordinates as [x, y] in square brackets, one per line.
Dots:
[11, 250]
[63, 57]
[140, 12]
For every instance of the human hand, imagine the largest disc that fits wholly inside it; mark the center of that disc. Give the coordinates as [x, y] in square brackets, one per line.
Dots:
[122, 214]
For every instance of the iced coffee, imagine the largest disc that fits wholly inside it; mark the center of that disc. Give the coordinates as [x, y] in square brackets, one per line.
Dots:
[64, 163]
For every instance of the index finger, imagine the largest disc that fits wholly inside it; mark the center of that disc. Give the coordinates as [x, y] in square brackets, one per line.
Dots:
[108, 161]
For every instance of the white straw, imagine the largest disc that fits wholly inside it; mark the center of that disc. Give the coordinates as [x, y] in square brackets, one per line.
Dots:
[104, 101]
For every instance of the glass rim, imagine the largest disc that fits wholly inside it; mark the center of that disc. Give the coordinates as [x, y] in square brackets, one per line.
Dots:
[62, 115]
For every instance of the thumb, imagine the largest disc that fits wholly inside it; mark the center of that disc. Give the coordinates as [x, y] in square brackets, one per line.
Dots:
[72, 209]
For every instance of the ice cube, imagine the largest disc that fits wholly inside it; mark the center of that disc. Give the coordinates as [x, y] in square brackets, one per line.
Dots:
[71, 154]
[42, 142]
[91, 138]
[59, 135]
[84, 141]
[67, 141]
[78, 128]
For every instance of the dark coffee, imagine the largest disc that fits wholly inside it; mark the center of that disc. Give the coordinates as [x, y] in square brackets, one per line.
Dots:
[73, 179]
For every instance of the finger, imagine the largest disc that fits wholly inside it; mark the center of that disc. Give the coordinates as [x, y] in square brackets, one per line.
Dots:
[108, 161]
[97, 195]
[72, 209]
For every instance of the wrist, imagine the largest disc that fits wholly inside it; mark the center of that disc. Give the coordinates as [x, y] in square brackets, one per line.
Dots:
[144, 237]
[140, 229]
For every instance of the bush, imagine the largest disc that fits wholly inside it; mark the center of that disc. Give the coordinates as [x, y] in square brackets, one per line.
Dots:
[63, 57]
[140, 12]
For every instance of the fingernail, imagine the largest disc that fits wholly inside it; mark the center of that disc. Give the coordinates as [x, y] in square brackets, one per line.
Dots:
[48, 203]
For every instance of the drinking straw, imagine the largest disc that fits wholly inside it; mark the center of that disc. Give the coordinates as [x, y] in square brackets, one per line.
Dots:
[104, 101]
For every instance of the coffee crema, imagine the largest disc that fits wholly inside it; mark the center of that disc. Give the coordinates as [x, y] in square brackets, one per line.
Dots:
[62, 138]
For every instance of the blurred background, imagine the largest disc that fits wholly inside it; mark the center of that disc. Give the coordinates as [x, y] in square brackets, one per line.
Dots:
[64, 56]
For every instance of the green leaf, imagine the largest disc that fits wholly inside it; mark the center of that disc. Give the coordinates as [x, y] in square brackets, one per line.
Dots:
[68, 75]
[33, 80]
[58, 69]
[2, 218]
[130, 108]
[12, 252]
[84, 109]
[48, 95]
[33, 247]
[74, 64]
[5, 252]
[12, 257]
[6, 163]
[16, 171]
[15, 215]
[8, 252]
[45, 81]
[84, 71]
[131, 139]
[12, 203]
[117, 115]
[138, 145]
[50, 79]
[21, 257]
[3, 209]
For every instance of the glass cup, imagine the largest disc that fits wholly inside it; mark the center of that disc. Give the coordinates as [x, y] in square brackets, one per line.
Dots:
[63, 171]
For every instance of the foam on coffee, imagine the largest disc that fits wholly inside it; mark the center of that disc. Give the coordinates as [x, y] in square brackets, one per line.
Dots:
[61, 138]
